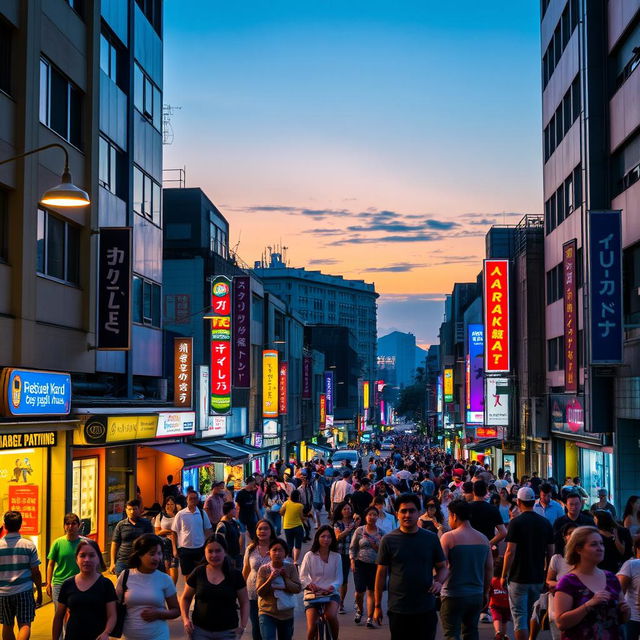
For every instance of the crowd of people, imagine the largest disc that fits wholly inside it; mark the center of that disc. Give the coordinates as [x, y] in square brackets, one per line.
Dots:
[446, 541]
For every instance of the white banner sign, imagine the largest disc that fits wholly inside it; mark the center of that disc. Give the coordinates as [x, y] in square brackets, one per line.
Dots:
[178, 423]
[496, 402]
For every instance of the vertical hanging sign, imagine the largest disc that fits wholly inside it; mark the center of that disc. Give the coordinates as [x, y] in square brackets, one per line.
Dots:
[448, 385]
[114, 289]
[283, 374]
[605, 256]
[269, 383]
[306, 377]
[241, 332]
[496, 316]
[220, 373]
[183, 372]
[365, 394]
[323, 411]
[569, 250]
[329, 389]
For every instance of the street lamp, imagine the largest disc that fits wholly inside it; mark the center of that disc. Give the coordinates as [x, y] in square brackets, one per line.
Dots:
[66, 194]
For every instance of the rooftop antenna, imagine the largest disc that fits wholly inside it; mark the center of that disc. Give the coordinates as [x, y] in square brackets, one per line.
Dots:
[167, 129]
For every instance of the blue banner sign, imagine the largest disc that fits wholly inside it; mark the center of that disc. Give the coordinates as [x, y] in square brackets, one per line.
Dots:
[35, 393]
[329, 391]
[605, 278]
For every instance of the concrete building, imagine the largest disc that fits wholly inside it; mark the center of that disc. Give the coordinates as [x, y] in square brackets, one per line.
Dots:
[591, 141]
[397, 358]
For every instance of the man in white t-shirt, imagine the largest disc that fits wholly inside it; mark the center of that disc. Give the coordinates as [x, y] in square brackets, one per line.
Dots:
[190, 527]
[340, 490]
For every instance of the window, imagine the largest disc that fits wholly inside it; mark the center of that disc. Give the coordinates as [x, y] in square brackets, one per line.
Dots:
[555, 354]
[77, 6]
[147, 98]
[146, 302]
[631, 284]
[152, 10]
[60, 104]
[147, 197]
[560, 39]
[564, 201]
[5, 57]
[58, 254]
[566, 114]
[111, 61]
[111, 168]
[4, 224]
[554, 284]
[625, 165]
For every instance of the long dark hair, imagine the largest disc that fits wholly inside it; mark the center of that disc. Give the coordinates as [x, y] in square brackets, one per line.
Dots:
[628, 509]
[315, 545]
[254, 537]
[439, 515]
[337, 514]
[218, 538]
[141, 545]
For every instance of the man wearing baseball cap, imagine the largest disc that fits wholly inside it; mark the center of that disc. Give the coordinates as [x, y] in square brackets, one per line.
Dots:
[529, 547]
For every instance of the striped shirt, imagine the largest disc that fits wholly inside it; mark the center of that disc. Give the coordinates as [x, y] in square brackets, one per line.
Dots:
[17, 557]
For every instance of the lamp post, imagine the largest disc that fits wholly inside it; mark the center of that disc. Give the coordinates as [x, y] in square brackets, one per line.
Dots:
[66, 194]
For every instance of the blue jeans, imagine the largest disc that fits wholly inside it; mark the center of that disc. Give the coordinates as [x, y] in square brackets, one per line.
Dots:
[460, 616]
[521, 599]
[269, 627]
[255, 620]
[121, 566]
[276, 521]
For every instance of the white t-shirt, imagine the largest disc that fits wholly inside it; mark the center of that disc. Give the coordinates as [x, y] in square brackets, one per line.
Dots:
[631, 569]
[190, 527]
[145, 590]
[560, 566]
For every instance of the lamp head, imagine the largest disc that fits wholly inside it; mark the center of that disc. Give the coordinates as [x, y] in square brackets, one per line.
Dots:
[66, 194]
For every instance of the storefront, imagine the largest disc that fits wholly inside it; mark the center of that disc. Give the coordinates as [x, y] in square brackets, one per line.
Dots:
[33, 451]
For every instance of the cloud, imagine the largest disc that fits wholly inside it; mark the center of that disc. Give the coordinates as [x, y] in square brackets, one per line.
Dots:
[398, 267]
[325, 232]
[324, 261]
[418, 237]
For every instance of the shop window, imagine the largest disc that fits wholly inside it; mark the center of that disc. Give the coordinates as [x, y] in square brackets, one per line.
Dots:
[84, 496]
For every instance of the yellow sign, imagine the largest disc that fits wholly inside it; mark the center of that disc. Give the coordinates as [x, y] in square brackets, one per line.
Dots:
[269, 384]
[448, 385]
[365, 394]
[121, 428]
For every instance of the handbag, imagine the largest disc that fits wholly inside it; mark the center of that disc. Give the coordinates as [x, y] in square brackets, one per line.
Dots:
[121, 610]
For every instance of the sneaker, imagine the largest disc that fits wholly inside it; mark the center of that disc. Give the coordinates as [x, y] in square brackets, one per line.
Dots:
[358, 616]
[485, 617]
[341, 609]
[370, 624]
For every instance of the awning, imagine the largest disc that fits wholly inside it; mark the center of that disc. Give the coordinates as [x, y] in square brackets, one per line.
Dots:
[192, 456]
[224, 452]
[245, 449]
[321, 448]
[483, 444]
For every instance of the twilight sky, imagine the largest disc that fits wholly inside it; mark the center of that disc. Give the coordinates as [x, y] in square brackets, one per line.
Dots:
[378, 140]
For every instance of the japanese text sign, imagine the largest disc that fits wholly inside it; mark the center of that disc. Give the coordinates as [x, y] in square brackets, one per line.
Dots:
[306, 377]
[569, 251]
[283, 374]
[323, 411]
[241, 332]
[182, 372]
[605, 251]
[220, 371]
[269, 383]
[114, 289]
[329, 388]
[496, 316]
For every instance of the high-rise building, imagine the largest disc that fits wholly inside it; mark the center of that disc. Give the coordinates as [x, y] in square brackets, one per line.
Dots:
[397, 358]
[591, 143]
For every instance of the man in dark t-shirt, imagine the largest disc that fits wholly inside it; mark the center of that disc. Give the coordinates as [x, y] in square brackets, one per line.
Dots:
[247, 501]
[126, 531]
[361, 498]
[410, 555]
[574, 514]
[529, 548]
[486, 517]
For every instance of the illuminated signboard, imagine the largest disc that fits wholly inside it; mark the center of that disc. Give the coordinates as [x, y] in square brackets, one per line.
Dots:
[486, 432]
[269, 383]
[283, 374]
[323, 411]
[448, 385]
[569, 251]
[183, 372]
[241, 332]
[365, 394]
[34, 393]
[307, 364]
[497, 402]
[329, 389]
[178, 423]
[496, 316]
[475, 389]
[439, 394]
[220, 372]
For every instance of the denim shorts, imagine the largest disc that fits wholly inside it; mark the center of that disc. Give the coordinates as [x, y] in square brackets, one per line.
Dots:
[522, 598]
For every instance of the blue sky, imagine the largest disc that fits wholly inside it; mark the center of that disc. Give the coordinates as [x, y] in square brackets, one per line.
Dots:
[406, 127]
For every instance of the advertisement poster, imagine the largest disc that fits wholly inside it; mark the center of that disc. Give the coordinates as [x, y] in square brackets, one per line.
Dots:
[283, 377]
[220, 371]
[475, 395]
[496, 316]
[365, 394]
[448, 385]
[35, 393]
[329, 390]
[25, 499]
[269, 383]
[323, 411]
[497, 402]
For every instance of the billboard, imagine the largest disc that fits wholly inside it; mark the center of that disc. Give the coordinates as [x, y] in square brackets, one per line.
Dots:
[306, 377]
[241, 332]
[323, 411]
[448, 385]
[220, 371]
[269, 383]
[365, 394]
[605, 278]
[497, 402]
[439, 406]
[27, 392]
[183, 372]
[496, 316]
[329, 390]
[475, 389]
[283, 375]
[569, 251]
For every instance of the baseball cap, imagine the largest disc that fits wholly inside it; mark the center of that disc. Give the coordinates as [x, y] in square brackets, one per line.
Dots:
[526, 494]
[602, 492]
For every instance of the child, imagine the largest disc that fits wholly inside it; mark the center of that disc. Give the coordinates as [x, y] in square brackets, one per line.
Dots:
[499, 603]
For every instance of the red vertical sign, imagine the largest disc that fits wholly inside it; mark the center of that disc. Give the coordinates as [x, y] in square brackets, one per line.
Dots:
[323, 411]
[283, 372]
[24, 498]
[496, 316]
[220, 375]
[569, 250]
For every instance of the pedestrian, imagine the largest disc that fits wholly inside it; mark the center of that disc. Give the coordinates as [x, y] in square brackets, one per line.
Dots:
[629, 578]
[162, 526]
[340, 489]
[486, 517]
[386, 522]
[219, 590]
[546, 506]
[529, 546]
[170, 489]
[505, 505]
[256, 554]
[558, 568]
[465, 592]
[361, 499]
[631, 517]
[229, 528]
[190, 528]
[499, 603]
[318, 487]
[344, 524]
[363, 552]
[213, 503]
[603, 503]
[248, 508]
[274, 498]
[574, 514]
[147, 592]
[126, 531]
[293, 524]
[432, 518]
[321, 577]
[61, 558]
[277, 583]
[87, 600]
[410, 557]
[306, 498]
[19, 573]
[589, 601]
[617, 541]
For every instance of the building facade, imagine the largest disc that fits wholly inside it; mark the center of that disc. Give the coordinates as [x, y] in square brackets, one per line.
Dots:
[397, 358]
